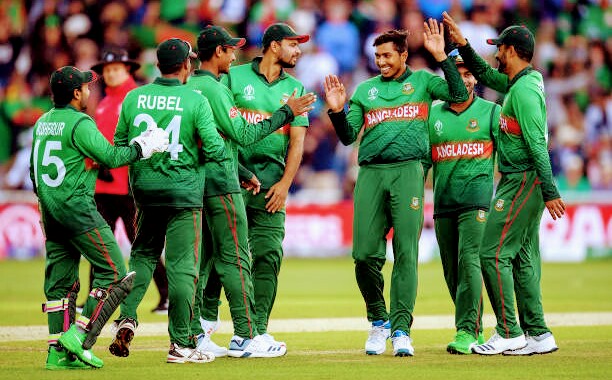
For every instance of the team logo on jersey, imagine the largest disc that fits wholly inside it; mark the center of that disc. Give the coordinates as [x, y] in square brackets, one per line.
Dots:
[414, 204]
[481, 216]
[233, 112]
[499, 205]
[438, 127]
[473, 126]
[373, 93]
[284, 99]
[249, 92]
[407, 88]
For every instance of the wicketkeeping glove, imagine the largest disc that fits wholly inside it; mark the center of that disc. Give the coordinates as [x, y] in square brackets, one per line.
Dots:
[155, 140]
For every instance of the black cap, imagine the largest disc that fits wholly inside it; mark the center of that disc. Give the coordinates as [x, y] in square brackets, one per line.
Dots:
[65, 79]
[517, 36]
[213, 36]
[174, 51]
[279, 32]
[115, 55]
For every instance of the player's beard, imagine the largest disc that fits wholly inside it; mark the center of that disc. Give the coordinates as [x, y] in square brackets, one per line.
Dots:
[286, 64]
[501, 65]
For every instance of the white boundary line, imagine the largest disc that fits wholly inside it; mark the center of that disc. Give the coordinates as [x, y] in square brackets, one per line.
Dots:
[427, 322]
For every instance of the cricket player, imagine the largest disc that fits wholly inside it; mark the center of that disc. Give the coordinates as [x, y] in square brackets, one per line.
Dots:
[168, 192]
[259, 88]
[462, 153]
[223, 203]
[510, 252]
[112, 188]
[392, 108]
[66, 151]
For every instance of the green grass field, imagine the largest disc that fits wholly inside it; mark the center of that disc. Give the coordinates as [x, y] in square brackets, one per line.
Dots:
[327, 289]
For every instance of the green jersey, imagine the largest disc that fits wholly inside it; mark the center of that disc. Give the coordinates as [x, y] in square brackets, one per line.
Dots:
[462, 153]
[172, 178]
[66, 150]
[257, 99]
[234, 128]
[523, 137]
[394, 112]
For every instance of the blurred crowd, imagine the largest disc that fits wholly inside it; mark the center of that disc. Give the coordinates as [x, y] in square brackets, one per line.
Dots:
[573, 52]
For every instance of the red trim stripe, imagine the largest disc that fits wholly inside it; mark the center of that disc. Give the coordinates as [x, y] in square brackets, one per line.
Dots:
[233, 228]
[501, 242]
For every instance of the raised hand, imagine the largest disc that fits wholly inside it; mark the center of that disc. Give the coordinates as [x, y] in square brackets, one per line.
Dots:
[433, 37]
[335, 94]
[453, 30]
[302, 104]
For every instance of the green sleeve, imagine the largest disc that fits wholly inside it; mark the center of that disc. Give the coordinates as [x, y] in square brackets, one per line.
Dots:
[234, 126]
[121, 131]
[533, 122]
[495, 115]
[452, 89]
[212, 143]
[482, 71]
[347, 126]
[91, 143]
[244, 174]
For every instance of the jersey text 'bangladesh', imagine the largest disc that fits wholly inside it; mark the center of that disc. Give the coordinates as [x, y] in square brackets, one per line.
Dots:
[462, 147]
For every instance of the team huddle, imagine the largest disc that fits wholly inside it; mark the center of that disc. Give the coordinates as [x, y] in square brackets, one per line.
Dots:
[210, 187]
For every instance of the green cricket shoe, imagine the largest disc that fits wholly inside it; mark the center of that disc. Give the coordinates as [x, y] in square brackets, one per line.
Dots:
[481, 339]
[58, 358]
[462, 345]
[72, 340]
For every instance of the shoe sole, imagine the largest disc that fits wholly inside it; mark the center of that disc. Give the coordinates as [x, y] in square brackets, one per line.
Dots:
[402, 354]
[509, 353]
[245, 355]
[375, 352]
[121, 344]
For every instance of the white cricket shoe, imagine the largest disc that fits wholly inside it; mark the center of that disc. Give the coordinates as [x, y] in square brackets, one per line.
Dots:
[541, 344]
[178, 354]
[377, 338]
[206, 344]
[270, 339]
[402, 344]
[257, 347]
[496, 345]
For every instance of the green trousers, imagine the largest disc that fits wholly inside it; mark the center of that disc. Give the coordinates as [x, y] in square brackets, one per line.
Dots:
[510, 255]
[228, 264]
[459, 236]
[388, 196]
[179, 229]
[63, 256]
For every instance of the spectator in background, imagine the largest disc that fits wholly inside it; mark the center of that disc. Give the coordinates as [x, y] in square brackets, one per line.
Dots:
[339, 36]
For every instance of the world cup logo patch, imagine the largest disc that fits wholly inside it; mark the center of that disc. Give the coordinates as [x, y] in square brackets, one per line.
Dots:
[481, 216]
[373, 93]
[473, 126]
[249, 92]
[415, 204]
[407, 88]
[499, 205]
[233, 112]
[438, 127]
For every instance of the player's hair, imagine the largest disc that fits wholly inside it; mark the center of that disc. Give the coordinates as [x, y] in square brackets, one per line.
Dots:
[205, 55]
[524, 54]
[398, 37]
[171, 69]
[63, 98]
